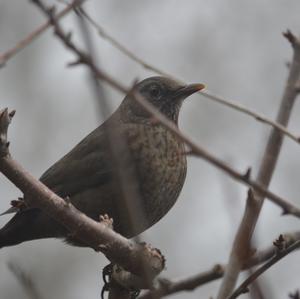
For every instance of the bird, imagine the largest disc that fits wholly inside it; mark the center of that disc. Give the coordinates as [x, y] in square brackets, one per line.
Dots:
[87, 176]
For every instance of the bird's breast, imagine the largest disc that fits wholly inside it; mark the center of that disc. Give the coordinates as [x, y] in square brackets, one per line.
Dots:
[160, 165]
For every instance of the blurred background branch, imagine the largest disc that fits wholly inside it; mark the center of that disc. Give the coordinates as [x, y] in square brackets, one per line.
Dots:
[25, 281]
[241, 245]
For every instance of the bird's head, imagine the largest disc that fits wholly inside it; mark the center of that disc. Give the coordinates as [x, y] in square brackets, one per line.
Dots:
[165, 94]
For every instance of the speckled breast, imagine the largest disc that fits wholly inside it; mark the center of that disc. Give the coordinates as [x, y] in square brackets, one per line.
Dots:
[161, 168]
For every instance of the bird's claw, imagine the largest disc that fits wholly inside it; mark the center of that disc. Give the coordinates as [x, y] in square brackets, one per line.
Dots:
[106, 276]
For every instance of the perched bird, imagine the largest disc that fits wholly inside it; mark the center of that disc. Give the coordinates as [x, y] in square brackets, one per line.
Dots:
[86, 175]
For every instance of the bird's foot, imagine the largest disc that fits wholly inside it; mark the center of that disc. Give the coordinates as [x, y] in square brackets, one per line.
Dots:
[106, 276]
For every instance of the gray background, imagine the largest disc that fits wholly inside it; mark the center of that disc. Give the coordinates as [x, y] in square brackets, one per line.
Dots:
[235, 48]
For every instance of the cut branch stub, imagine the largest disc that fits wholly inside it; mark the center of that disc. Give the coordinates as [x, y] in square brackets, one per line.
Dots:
[131, 281]
[5, 119]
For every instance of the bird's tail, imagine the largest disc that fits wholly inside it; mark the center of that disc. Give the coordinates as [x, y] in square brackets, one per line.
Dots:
[18, 229]
[3, 239]
[27, 225]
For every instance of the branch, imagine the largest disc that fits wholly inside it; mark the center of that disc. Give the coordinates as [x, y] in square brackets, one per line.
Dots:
[121, 47]
[241, 245]
[168, 287]
[4, 57]
[257, 116]
[84, 58]
[277, 257]
[131, 256]
[236, 106]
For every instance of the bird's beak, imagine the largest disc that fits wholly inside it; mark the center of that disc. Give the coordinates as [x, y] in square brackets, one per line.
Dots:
[188, 90]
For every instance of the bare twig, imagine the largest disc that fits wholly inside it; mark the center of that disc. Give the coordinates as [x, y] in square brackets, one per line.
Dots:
[84, 58]
[4, 57]
[167, 287]
[25, 281]
[236, 106]
[258, 116]
[257, 290]
[121, 47]
[277, 257]
[241, 243]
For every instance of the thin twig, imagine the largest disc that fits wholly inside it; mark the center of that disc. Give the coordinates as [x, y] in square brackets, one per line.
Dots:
[121, 47]
[84, 58]
[259, 117]
[242, 239]
[4, 57]
[168, 287]
[236, 106]
[277, 257]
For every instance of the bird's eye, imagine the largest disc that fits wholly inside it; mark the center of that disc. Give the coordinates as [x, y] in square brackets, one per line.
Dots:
[155, 91]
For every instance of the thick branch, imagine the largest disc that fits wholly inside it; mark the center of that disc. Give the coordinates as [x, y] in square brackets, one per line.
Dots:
[241, 243]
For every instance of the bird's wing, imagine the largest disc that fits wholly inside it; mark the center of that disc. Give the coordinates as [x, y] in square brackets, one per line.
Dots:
[85, 166]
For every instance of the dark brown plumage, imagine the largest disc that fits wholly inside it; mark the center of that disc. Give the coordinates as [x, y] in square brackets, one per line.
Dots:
[87, 176]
